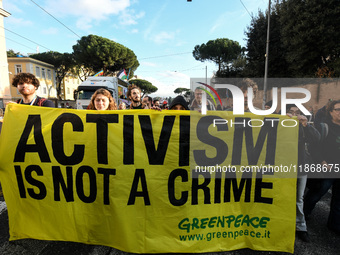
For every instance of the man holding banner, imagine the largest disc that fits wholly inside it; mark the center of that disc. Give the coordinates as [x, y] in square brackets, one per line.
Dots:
[197, 102]
[308, 135]
[134, 95]
[27, 84]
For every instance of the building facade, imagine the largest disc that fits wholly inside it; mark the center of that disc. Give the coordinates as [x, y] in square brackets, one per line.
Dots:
[43, 71]
[5, 94]
[69, 85]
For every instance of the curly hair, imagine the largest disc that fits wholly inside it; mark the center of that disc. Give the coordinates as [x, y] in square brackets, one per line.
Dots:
[247, 83]
[112, 104]
[130, 88]
[28, 78]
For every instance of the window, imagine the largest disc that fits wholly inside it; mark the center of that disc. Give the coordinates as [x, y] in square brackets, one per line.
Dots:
[49, 74]
[43, 73]
[44, 90]
[68, 91]
[18, 69]
[37, 71]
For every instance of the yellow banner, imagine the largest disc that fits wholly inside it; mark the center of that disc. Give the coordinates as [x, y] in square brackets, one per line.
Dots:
[148, 181]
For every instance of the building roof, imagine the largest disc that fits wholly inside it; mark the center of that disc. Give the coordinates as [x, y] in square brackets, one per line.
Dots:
[30, 60]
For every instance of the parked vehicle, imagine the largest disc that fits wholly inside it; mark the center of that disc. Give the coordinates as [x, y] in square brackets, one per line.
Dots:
[85, 90]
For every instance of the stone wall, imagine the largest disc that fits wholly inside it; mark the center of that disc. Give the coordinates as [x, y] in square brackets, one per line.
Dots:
[320, 94]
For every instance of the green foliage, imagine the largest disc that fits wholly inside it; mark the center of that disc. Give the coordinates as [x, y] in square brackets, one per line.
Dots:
[145, 86]
[304, 38]
[220, 51]
[63, 63]
[311, 35]
[11, 53]
[50, 57]
[256, 47]
[181, 91]
[236, 68]
[95, 53]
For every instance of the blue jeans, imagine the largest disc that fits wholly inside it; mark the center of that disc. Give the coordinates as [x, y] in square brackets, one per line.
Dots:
[300, 189]
[315, 194]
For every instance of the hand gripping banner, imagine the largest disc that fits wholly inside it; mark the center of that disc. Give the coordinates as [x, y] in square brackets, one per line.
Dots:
[150, 182]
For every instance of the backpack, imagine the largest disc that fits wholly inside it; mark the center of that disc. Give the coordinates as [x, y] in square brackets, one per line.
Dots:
[41, 100]
[323, 131]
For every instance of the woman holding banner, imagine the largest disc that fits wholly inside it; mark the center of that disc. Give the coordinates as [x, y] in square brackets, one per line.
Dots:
[307, 134]
[102, 100]
[329, 156]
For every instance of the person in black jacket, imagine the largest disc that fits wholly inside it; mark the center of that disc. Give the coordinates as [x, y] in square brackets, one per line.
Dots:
[329, 156]
[307, 134]
[179, 103]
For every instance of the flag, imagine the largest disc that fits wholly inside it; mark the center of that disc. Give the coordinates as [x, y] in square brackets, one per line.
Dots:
[100, 73]
[122, 75]
[128, 74]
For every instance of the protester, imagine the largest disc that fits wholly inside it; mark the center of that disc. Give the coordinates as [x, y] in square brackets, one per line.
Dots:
[179, 103]
[134, 95]
[122, 106]
[102, 100]
[321, 115]
[27, 84]
[196, 104]
[329, 156]
[243, 85]
[147, 100]
[311, 116]
[307, 134]
[269, 105]
[165, 105]
[156, 103]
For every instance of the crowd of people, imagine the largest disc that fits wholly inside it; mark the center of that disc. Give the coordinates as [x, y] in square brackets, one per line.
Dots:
[318, 142]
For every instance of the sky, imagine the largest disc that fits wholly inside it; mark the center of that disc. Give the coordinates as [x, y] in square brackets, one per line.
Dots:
[161, 33]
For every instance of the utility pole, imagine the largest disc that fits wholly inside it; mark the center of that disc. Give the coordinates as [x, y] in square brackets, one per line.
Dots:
[266, 63]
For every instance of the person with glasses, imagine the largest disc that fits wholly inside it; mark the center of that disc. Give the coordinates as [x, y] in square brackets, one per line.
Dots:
[196, 104]
[307, 135]
[329, 156]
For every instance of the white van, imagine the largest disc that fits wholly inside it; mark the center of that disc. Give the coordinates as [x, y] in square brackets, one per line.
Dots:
[85, 90]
